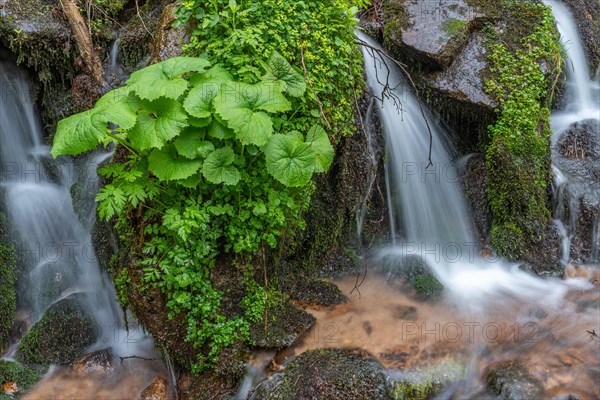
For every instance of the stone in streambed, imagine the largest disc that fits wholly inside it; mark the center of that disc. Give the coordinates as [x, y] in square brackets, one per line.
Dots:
[98, 362]
[156, 390]
[332, 374]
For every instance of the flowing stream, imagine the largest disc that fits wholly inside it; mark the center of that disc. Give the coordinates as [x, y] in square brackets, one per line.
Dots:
[490, 311]
[55, 248]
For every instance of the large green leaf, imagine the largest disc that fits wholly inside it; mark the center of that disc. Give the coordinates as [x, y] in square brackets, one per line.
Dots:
[280, 70]
[199, 100]
[219, 131]
[191, 144]
[167, 165]
[289, 160]
[319, 141]
[159, 121]
[218, 167]
[84, 131]
[164, 79]
[242, 105]
[215, 74]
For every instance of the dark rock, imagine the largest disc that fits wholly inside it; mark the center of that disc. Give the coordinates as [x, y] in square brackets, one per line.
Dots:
[463, 79]
[288, 323]
[578, 203]
[316, 291]
[98, 362]
[327, 374]
[512, 381]
[63, 334]
[588, 304]
[474, 182]
[157, 390]
[581, 141]
[433, 32]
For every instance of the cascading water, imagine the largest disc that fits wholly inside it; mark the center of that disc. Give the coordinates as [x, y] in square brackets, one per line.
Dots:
[574, 174]
[55, 249]
[427, 202]
[491, 312]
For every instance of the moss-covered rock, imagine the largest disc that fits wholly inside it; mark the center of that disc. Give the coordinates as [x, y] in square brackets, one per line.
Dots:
[332, 374]
[64, 332]
[23, 376]
[493, 86]
[512, 381]
[426, 383]
[8, 279]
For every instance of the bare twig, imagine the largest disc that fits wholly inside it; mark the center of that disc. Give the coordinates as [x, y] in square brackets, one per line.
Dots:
[137, 357]
[387, 88]
[593, 333]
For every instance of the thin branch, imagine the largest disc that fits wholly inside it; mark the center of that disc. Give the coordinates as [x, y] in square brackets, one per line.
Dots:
[402, 67]
[137, 357]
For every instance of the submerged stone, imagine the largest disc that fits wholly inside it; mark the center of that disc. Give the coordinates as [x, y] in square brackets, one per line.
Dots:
[97, 362]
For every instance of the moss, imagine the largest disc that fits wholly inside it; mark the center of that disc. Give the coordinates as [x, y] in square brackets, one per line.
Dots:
[518, 155]
[425, 384]
[8, 279]
[454, 27]
[427, 285]
[63, 333]
[23, 376]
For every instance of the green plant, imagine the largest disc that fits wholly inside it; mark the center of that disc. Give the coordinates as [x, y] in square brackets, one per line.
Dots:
[517, 158]
[317, 37]
[427, 285]
[212, 171]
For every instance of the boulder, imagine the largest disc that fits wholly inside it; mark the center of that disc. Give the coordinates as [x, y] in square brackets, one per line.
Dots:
[64, 332]
[327, 374]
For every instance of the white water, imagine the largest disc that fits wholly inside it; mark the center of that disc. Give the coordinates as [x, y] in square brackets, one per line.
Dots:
[428, 205]
[55, 246]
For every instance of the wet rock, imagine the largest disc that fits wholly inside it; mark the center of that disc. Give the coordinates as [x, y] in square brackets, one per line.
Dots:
[579, 198]
[588, 304]
[432, 31]
[316, 291]
[168, 40]
[581, 141]
[474, 181]
[62, 335]
[98, 362]
[512, 381]
[157, 390]
[332, 374]
[462, 80]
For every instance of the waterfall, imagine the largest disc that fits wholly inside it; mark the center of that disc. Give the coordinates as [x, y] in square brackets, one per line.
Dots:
[55, 246]
[427, 204]
[583, 106]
